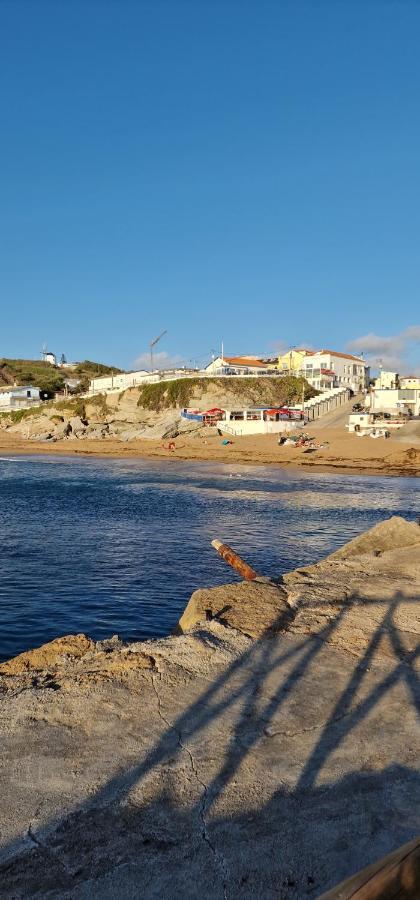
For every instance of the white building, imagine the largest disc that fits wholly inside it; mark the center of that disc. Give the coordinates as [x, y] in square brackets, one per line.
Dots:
[121, 381]
[387, 381]
[400, 400]
[373, 424]
[18, 397]
[269, 420]
[325, 369]
[410, 381]
[238, 365]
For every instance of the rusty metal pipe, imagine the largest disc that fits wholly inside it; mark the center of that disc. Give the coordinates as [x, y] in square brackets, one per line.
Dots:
[234, 560]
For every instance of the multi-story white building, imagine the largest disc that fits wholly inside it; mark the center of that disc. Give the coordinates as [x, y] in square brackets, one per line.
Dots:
[325, 369]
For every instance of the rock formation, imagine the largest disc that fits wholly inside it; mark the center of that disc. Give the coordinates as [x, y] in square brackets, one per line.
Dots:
[268, 750]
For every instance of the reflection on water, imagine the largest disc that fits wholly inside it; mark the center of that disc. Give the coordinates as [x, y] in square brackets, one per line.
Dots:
[113, 546]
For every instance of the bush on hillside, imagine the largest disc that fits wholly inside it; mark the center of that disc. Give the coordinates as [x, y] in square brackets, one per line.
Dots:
[179, 393]
[94, 369]
[17, 415]
[29, 371]
[50, 379]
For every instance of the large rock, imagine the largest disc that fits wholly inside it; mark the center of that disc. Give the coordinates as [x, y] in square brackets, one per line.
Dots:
[389, 535]
[97, 430]
[72, 646]
[77, 425]
[270, 751]
[132, 434]
[61, 429]
[253, 607]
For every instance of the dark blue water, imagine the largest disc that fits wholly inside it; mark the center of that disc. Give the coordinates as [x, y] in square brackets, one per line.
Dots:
[117, 546]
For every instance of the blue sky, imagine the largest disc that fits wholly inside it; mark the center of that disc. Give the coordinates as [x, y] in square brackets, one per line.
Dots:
[245, 171]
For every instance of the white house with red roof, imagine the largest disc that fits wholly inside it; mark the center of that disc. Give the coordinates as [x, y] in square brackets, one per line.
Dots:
[329, 368]
[238, 365]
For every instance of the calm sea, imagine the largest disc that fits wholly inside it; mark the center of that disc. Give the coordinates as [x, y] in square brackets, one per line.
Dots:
[115, 546]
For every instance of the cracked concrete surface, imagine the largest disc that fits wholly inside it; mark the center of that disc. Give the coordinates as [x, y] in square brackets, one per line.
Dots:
[268, 750]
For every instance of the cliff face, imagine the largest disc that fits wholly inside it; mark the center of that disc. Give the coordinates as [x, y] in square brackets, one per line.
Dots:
[269, 750]
[124, 417]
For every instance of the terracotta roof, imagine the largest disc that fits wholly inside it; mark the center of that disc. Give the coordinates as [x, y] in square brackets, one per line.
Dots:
[341, 355]
[243, 361]
[404, 377]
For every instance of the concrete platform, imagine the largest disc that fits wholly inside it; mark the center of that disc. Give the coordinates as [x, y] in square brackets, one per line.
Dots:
[271, 750]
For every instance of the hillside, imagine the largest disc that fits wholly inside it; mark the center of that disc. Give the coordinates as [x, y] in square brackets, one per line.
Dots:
[224, 392]
[47, 377]
[149, 412]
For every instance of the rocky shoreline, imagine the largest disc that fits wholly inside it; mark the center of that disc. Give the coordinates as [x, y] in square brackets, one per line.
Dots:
[269, 749]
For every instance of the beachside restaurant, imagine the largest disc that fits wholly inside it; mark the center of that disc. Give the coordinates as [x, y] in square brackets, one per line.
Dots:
[207, 417]
[255, 420]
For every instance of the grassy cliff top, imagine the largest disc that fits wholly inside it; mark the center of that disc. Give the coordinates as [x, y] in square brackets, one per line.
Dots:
[47, 377]
[209, 392]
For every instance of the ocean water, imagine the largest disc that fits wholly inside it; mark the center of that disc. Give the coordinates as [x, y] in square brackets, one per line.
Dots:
[117, 546]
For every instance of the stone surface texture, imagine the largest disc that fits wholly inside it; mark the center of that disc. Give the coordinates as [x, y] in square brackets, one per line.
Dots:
[269, 750]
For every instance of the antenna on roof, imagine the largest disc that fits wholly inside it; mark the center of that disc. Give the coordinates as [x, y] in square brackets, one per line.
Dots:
[153, 344]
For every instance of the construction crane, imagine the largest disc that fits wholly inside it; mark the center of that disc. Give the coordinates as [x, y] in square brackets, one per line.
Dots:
[153, 344]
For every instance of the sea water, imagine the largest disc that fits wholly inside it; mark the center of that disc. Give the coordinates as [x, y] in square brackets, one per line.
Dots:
[117, 546]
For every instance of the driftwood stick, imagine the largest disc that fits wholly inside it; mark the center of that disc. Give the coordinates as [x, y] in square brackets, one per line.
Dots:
[234, 560]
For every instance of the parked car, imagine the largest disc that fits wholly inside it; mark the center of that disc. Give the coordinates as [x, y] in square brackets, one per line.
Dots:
[358, 407]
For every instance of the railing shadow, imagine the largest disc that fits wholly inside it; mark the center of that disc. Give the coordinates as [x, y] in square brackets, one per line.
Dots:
[299, 818]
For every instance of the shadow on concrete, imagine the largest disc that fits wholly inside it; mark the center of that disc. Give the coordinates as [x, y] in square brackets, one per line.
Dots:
[306, 838]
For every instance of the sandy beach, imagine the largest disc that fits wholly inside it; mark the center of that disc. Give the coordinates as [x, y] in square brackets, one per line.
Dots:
[342, 452]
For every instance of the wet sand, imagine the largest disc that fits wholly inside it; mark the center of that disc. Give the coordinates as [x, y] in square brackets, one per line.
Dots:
[344, 453]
